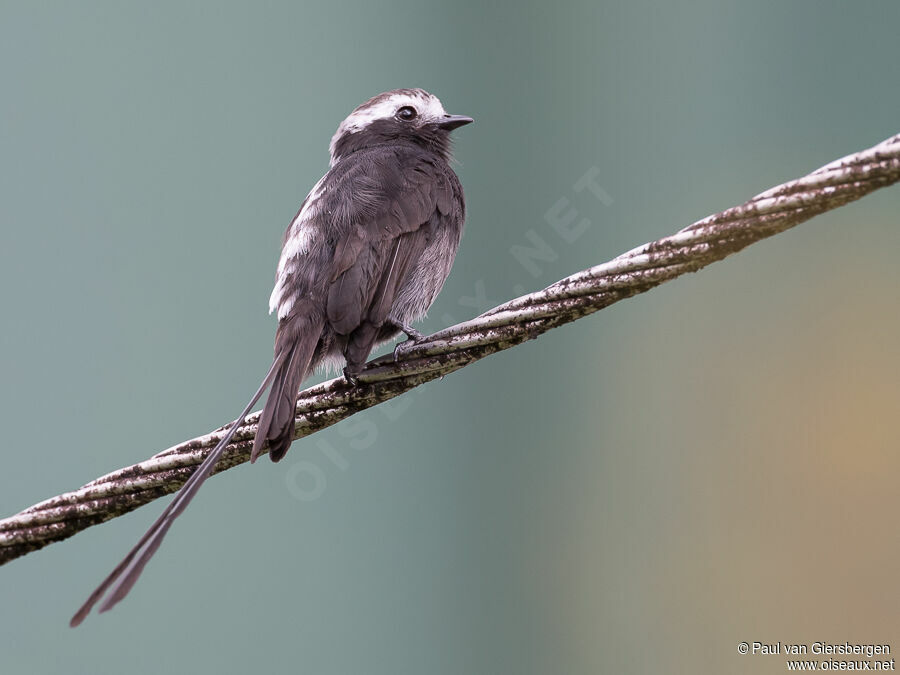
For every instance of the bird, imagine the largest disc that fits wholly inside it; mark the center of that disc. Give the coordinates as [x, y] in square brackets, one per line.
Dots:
[364, 258]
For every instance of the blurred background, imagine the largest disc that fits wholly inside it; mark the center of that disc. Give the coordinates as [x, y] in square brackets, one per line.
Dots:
[713, 462]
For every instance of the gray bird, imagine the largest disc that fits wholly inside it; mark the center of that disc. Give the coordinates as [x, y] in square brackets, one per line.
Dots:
[365, 256]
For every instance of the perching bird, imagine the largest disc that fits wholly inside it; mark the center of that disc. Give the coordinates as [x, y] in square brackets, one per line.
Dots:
[365, 256]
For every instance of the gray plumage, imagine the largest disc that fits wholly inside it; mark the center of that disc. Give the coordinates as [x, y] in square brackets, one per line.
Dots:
[390, 217]
[365, 257]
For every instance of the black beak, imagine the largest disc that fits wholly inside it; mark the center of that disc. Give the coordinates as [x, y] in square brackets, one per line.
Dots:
[451, 122]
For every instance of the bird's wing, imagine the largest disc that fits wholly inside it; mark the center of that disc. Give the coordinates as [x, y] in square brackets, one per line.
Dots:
[385, 241]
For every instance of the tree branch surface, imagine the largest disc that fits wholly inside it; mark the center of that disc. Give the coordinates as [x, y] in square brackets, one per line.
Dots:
[524, 318]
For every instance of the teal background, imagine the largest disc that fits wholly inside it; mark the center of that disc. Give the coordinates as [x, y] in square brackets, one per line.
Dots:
[712, 462]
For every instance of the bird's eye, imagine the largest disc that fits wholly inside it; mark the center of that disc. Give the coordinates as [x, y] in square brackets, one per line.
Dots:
[407, 113]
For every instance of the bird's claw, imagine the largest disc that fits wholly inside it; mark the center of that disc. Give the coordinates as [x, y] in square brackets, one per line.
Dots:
[352, 376]
[413, 336]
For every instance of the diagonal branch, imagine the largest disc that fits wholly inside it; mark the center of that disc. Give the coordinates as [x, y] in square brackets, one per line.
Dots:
[696, 246]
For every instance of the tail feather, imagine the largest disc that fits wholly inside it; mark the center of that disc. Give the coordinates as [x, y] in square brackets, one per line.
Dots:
[295, 347]
[297, 342]
[126, 573]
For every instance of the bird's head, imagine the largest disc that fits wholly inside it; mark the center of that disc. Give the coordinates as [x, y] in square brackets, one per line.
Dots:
[400, 115]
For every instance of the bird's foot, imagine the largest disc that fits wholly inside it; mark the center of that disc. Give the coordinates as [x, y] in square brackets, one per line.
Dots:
[412, 335]
[352, 374]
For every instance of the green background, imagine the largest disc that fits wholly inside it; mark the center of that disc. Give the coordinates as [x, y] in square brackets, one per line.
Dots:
[712, 462]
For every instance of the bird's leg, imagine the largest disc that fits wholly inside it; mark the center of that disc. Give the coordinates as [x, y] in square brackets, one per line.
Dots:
[411, 334]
